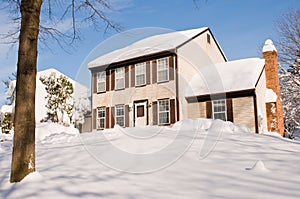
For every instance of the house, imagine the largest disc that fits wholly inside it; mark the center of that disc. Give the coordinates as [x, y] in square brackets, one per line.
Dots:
[80, 95]
[174, 76]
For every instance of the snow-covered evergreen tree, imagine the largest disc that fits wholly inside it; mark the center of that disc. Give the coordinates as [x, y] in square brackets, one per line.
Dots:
[59, 98]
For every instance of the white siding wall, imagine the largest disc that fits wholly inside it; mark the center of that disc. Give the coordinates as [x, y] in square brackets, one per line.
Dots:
[261, 103]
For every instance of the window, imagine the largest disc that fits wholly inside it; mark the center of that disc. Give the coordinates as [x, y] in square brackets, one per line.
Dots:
[164, 112]
[119, 115]
[120, 78]
[208, 38]
[140, 74]
[101, 78]
[101, 118]
[219, 109]
[162, 70]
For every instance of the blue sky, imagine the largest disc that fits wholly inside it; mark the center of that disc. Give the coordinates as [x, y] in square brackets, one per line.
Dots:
[240, 27]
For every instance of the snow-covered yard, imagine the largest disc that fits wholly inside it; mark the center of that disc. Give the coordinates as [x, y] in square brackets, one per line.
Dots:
[194, 159]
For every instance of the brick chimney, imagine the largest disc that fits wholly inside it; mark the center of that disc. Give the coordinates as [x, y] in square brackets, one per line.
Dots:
[274, 107]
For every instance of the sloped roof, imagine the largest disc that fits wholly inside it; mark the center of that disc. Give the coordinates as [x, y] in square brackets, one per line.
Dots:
[226, 77]
[150, 45]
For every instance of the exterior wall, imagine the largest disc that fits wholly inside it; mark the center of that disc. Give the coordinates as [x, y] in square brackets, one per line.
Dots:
[272, 82]
[243, 112]
[196, 110]
[151, 92]
[261, 103]
[191, 58]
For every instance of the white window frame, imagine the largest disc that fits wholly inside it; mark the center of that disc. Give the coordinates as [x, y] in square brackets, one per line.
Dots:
[117, 116]
[159, 112]
[163, 66]
[218, 104]
[101, 81]
[120, 77]
[140, 70]
[101, 118]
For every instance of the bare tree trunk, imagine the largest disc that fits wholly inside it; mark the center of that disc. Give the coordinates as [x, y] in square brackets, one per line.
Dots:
[23, 157]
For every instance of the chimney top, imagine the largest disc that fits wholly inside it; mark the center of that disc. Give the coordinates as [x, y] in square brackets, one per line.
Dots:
[269, 46]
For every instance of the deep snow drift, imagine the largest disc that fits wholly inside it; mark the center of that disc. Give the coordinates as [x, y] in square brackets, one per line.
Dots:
[193, 159]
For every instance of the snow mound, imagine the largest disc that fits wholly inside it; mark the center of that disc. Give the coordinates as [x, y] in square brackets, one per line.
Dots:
[259, 166]
[33, 177]
[54, 133]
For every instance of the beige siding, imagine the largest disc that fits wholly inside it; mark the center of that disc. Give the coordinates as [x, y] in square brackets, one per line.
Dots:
[150, 92]
[191, 57]
[196, 110]
[261, 103]
[243, 112]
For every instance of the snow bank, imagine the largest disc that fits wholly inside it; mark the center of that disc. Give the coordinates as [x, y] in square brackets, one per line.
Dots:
[54, 132]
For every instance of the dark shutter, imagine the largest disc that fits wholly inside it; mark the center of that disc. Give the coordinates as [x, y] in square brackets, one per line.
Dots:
[154, 112]
[126, 115]
[172, 111]
[208, 109]
[112, 117]
[94, 119]
[154, 72]
[229, 110]
[94, 82]
[132, 76]
[107, 80]
[106, 117]
[127, 77]
[171, 68]
[148, 81]
[112, 79]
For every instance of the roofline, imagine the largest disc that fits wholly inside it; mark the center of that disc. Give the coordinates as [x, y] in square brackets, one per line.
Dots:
[207, 29]
[133, 60]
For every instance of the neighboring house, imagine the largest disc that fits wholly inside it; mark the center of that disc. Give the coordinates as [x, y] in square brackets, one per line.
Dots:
[174, 76]
[80, 94]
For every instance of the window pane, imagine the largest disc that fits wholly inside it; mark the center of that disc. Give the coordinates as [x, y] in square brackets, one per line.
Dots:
[120, 78]
[164, 112]
[219, 109]
[140, 74]
[162, 69]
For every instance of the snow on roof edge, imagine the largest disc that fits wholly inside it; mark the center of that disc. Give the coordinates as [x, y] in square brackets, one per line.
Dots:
[189, 34]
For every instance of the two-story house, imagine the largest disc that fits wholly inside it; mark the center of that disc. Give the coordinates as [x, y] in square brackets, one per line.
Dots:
[174, 76]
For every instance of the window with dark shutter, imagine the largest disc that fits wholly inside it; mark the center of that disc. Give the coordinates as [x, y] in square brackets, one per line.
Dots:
[154, 72]
[107, 117]
[112, 117]
[127, 77]
[148, 73]
[154, 113]
[229, 110]
[208, 109]
[126, 115]
[112, 80]
[132, 76]
[107, 80]
[172, 111]
[171, 68]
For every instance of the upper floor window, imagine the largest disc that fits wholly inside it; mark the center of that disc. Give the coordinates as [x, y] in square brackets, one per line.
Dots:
[120, 78]
[219, 109]
[164, 111]
[162, 70]
[101, 77]
[119, 115]
[140, 74]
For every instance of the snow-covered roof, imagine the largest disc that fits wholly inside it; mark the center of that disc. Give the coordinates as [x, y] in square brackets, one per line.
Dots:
[270, 96]
[150, 45]
[269, 46]
[230, 76]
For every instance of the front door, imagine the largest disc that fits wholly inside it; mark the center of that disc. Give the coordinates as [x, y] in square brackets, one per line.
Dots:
[140, 113]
